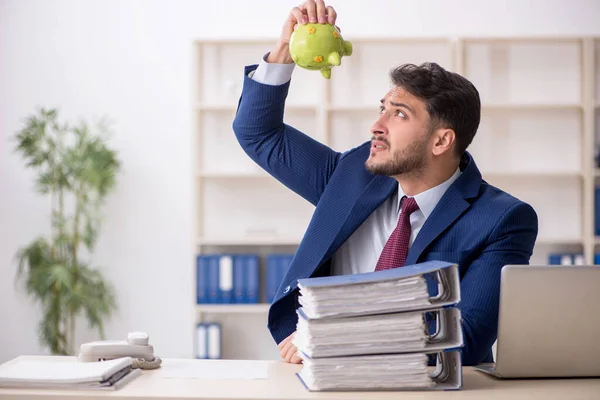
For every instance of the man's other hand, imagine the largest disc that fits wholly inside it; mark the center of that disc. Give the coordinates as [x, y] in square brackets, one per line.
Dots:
[287, 350]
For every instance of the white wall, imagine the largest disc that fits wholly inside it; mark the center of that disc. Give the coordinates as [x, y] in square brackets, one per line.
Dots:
[131, 60]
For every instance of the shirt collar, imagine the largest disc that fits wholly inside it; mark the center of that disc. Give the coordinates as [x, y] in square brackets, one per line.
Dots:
[428, 199]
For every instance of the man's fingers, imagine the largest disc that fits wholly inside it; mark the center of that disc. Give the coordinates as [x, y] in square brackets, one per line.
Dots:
[321, 12]
[331, 15]
[285, 349]
[311, 10]
[298, 15]
[291, 351]
[296, 359]
[284, 342]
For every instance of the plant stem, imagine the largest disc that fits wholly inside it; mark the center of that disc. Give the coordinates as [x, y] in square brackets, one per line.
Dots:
[71, 343]
[56, 346]
[53, 195]
[75, 258]
[76, 232]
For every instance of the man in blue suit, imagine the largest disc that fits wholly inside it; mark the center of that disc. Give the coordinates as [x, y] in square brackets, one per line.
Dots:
[410, 194]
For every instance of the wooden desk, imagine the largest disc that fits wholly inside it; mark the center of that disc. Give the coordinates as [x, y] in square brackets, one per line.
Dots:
[283, 384]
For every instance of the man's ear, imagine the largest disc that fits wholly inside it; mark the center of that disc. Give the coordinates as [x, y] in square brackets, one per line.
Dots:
[443, 141]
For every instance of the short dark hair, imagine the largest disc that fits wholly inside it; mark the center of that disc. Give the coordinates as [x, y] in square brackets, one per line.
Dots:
[451, 100]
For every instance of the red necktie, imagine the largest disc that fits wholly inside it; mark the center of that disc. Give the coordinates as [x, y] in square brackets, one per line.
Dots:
[396, 249]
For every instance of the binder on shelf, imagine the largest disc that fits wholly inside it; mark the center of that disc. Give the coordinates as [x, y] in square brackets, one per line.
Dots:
[578, 259]
[208, 341]
[225, 293]
[207, 279]
[252, 279]
[212, 279]
[566, 259]
[214, 341]
[201, 283]
[239, 280]
[227, 279]
[597, 210]
[201, 341]
[380, 330]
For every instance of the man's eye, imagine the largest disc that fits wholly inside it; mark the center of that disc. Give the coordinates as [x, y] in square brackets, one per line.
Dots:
[400, 113]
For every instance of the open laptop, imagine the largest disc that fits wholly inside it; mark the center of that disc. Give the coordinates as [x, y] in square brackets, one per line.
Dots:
[549, 322]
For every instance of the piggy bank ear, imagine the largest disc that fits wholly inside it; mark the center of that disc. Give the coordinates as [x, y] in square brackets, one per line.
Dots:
[334, 58]
[347, 48]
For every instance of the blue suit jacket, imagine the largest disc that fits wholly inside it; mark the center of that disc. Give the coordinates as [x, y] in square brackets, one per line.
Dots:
[475, 225]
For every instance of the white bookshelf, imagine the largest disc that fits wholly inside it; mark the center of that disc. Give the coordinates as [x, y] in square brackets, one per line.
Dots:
[537, 141]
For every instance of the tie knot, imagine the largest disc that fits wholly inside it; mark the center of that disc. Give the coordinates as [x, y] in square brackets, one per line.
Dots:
[409, 205]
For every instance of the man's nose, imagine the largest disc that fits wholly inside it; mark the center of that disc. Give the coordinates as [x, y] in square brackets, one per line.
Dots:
[378, 128]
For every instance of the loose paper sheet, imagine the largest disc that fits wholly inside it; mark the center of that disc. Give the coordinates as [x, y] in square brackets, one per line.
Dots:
[238, 369]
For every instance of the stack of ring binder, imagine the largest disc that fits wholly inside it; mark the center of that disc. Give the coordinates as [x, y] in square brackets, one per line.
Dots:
[397, 329]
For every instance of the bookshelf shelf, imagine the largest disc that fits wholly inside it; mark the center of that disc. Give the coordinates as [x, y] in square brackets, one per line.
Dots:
[532, 106]
[232, 175]
[536, 140]
[532, 174]
[216, 107]
[484, 107]
[547, 241]
[485, 174]
[251, 241]
[233, 308]
[232, 108]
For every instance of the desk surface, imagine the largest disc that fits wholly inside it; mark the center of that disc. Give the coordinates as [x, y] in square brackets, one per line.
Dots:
[282, 383]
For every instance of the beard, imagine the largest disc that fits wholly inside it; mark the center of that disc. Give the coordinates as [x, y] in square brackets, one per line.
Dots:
[408, 161]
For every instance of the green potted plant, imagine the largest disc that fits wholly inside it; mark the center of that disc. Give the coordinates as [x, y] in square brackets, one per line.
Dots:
[76, 170]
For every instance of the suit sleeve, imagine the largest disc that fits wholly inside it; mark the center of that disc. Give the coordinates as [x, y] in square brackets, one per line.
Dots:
[300, 162]
[511, 242]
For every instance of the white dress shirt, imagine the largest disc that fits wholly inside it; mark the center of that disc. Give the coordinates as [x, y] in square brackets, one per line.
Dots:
[362, 249]
[272, 73]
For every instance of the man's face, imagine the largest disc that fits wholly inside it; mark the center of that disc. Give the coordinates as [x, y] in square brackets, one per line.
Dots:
[400, 136]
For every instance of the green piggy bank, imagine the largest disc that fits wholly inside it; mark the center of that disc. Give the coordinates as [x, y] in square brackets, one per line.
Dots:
[318, 47]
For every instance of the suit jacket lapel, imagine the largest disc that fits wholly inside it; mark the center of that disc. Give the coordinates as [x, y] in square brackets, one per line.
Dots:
[451, 206]
[375, 193]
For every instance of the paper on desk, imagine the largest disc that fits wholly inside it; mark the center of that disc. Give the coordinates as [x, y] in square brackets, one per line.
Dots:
[216, 369]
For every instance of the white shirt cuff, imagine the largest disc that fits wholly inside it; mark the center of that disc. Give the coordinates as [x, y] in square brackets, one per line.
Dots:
[272, 73]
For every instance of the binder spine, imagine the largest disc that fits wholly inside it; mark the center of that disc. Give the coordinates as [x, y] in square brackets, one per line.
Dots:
[214, 341]
[239, 278]
[225, 279]
[201, 279]
[213, 279]
[443, 332]
[253, 279]
[201, 341]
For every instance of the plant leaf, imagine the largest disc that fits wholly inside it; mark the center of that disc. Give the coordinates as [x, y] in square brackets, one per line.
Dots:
[78, 170]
